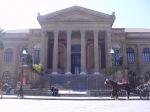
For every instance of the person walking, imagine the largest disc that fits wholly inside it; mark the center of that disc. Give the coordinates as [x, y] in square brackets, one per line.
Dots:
[19, 90]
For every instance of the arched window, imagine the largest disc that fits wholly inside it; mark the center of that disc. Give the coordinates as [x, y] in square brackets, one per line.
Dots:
[146, 55]
[8, 55]
[130, 55]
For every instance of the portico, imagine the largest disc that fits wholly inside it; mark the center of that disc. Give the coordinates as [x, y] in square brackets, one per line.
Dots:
[79, 40]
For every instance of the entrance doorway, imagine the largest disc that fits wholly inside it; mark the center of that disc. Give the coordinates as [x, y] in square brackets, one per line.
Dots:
[75, 59]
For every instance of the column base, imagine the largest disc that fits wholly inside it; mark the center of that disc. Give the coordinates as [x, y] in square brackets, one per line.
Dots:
[68, 73]
[96, 73]
[54, 73]
[82, 73]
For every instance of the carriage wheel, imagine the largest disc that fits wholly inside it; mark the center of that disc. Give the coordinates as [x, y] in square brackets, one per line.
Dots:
[144, 96]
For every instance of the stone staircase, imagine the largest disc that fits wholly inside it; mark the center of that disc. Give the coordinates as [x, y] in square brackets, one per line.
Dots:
[46, 92]
[70, 93]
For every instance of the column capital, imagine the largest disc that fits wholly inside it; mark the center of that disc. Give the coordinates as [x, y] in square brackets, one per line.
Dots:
[82, 31]
[44, 33]
[68, 32]
[96, 31]
[138, 46]
[56, 32]
[109, 30]
[82, 34]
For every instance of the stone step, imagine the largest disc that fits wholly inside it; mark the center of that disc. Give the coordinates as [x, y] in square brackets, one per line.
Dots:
[68, 93]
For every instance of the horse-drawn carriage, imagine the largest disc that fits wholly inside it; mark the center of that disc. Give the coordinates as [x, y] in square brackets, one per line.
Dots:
[142, 90]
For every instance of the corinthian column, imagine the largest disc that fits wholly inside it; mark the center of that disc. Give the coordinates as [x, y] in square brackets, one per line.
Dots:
[83, 53]
[68, 53]
[55, 53]
[96, 52]
[107, 49]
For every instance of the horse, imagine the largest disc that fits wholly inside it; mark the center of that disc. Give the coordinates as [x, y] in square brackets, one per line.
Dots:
[116, 87]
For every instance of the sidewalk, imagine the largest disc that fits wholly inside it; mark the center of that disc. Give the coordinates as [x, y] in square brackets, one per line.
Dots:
[68, 95]
[65, 98]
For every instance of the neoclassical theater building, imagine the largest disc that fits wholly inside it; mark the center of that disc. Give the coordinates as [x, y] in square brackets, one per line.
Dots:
[77, 40]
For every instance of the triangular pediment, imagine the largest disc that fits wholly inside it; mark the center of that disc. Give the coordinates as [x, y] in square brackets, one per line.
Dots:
[74, 16]
[76, 13]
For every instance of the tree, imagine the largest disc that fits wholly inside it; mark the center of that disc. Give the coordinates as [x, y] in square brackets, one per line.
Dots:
[2, 33]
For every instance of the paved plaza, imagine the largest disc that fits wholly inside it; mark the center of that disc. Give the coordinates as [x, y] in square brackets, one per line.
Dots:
[73, 104]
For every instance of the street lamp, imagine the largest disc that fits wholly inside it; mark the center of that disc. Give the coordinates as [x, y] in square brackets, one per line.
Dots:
[24, 52]
[111, 51]
[23, 59]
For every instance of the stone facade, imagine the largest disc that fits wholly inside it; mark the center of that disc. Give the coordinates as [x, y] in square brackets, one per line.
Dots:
[76, 40]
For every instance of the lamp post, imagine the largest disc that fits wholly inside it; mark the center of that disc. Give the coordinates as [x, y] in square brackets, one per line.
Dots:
[111, 52]
[111, 69]
[24, 53]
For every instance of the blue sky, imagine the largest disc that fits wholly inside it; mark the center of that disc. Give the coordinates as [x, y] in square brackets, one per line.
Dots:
[22, 14]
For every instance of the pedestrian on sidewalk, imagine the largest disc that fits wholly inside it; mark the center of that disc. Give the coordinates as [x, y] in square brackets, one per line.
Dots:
[19, 90]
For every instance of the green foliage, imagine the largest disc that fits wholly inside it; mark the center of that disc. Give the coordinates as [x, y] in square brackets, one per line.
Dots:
[38, 68]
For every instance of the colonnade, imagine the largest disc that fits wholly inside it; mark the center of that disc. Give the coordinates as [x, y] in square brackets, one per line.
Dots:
[83, 51]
